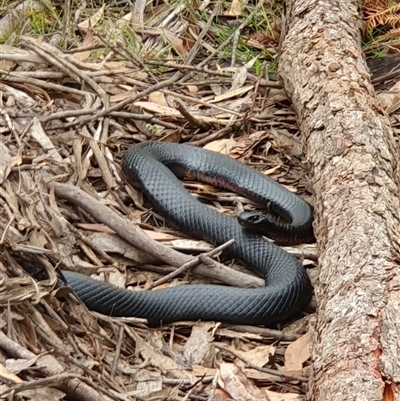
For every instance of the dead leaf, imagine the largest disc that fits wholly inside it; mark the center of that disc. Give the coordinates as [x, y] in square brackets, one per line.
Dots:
[237, 385]
[297, 353]
[235, 9]
[42, 393]
[223, 146]
[93, 20]
[239, 78]
[160, 236]
[8, 375]
[188, 245]
[283, 396]
[232, 94]
[158, 97]
[124, 21]
[88, 41]
[192, 88]
[118, 65]
[259, 356]
[201, 371]
[96, 227]
[158, 109]
[177, 43]
[199, 348]
[18, 365]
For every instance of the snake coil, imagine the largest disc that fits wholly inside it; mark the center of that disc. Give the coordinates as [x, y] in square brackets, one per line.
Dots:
[158, 168]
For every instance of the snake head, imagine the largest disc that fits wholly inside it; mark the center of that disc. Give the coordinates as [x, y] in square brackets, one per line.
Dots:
[255, 223]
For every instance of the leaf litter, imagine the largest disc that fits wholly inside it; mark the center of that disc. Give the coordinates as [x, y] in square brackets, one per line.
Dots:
[169, 72]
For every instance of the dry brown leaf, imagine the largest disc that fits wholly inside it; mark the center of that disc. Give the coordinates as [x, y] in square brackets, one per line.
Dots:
[192, 88]
[121, 96]
[119, 66]
[124, 21]
[93, 20]
[158, 97]
[14, 366]
[239, 78]
[188, 245]
[223, 146]
[237, 385]
[283, 397]
[235, 9]
[259, 356]
[88, 41]
[146, 347]
[160, 236]
[158, 109]
[42, 393]
[232, 94]
[201, 371]
[297, 353]
[177, 43]
[391, 98]
[117, 278]
[199, 348]
[96, 227]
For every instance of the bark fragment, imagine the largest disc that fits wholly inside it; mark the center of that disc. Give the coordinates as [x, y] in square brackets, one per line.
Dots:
[354, 172]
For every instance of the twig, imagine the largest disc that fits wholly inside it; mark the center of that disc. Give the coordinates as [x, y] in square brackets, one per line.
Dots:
[49, 366]
[135, 236]
[132, 99]
[192, 263]
[228, 40]
[117, 352]
[46, 85]
[213, 386]
[277, 335]
[185, 113]
[260, 369]
[48, 52]
[196, 68]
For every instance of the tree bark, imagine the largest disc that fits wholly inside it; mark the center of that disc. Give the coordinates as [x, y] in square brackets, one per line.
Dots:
[353, 167]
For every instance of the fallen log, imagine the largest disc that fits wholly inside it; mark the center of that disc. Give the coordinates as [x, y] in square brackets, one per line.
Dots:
[354, 173]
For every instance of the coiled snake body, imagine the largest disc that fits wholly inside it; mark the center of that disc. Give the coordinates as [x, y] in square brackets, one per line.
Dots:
[158, 167]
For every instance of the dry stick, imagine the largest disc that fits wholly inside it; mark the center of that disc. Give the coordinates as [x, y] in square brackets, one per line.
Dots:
[209, 137]
[195, 48]
[45, 85]
[132, 99]
[87, 241]
[227, 41]
[205, 70]
[135, 236]
[203, 258]
[117, 352]
[260, 369]
[149, 89]
[49, 366]
[53, 381]
[264, 332]
[144, 117]
[66, 114]
[180, 106]
[47, 52]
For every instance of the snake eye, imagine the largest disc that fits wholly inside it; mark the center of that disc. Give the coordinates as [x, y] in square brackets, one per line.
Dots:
[255, 219]
[251, 219]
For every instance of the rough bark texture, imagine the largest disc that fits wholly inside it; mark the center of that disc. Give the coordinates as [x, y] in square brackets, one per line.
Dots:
[353, 167]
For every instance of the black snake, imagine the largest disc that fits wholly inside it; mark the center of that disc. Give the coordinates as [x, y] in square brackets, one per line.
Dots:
[157, 168]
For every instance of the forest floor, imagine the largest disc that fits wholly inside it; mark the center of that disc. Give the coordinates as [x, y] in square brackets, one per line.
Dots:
[79, 85]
